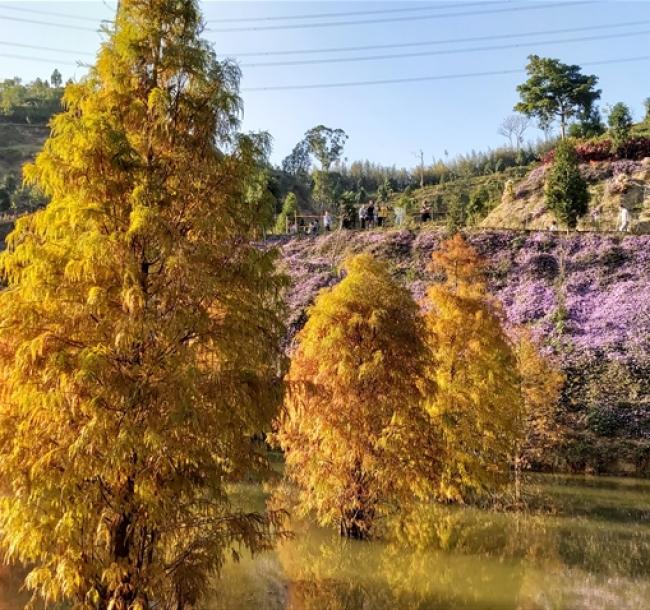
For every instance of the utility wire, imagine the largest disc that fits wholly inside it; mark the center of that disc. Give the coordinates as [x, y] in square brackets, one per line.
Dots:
[345, 59]
[65, 26]
[42, 59]
[6, 43]
[436, 7]
[401, 45]
[35, 11]
[517, 45]
[326, 24]
[416, 79]
[355, 59]
[323, 24]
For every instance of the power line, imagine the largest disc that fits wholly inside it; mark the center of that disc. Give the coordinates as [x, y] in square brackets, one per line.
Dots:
[64, 26]
[436, 7]
[49, 60]
[416, 79]
[4, 43]
[408, 44]
[326, 24]
[35, 11]
[377, 57]
[348, 59]
[302, 62]
[437, 42]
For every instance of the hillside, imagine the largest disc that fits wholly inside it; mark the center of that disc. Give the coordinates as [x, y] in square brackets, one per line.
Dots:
[611, 183]
[594, 318]
[19, 144]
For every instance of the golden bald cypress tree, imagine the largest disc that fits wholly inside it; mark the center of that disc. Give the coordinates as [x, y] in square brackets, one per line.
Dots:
[477, 404]
[139, 329]
[357, 443]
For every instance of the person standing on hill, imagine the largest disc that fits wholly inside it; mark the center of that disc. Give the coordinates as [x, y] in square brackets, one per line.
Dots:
[400, 215]
[327, 222]
[370, 214]
[425, 212]
[623, 218]
[363, 216]
[382, 214]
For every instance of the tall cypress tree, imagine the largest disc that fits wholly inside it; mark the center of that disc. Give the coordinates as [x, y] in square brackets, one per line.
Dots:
[566, 190]
[357, 442]
[139, 330]
[476, 406]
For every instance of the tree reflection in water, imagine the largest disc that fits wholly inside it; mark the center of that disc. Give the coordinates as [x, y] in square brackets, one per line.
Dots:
[589, 549]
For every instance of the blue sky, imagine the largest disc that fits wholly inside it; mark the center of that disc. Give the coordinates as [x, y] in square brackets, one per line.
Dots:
[386, 123]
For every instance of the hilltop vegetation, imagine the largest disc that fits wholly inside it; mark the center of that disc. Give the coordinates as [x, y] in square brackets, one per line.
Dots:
[25, 110]
[465, 190]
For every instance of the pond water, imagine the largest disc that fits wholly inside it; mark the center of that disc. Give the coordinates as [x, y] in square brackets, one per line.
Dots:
[589, 551]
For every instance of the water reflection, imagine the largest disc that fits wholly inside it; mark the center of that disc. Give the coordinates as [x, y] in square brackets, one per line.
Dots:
[592, 551]
[588, 550]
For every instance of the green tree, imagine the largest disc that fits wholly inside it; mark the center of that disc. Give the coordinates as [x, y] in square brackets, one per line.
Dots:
[556, 91]
[360, 196]
[589, 125]
[456, 211]
[5, 200]
[326, 144]
[298, 163]
[347, 210]
[566, 193]
[646, 104]
[32, 103]
[324, 189]
[289, 209]
[385, 190]
[7, 190]
[620, 122]
[56, 79]
[139, 330]
[479, 200]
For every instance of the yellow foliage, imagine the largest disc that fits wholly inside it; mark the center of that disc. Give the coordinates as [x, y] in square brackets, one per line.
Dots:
[139, 330]
[477, 403]
[541, 384]
[357, 443]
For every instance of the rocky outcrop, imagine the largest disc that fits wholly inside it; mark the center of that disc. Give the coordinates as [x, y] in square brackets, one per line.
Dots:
[611, 183]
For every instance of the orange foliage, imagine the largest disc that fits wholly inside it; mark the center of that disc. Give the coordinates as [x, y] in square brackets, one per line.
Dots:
[357, 442]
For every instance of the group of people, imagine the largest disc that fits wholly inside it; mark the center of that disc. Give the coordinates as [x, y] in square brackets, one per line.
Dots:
[371, 215]
[368, 215]
[312, 227]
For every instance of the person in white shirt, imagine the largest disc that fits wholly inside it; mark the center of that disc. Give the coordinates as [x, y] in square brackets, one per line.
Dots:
[327, 221]
[400, 212]
[623, 218]
[363, 215]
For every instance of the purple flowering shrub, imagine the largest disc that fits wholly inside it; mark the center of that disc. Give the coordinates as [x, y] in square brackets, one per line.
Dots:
[603, 279]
